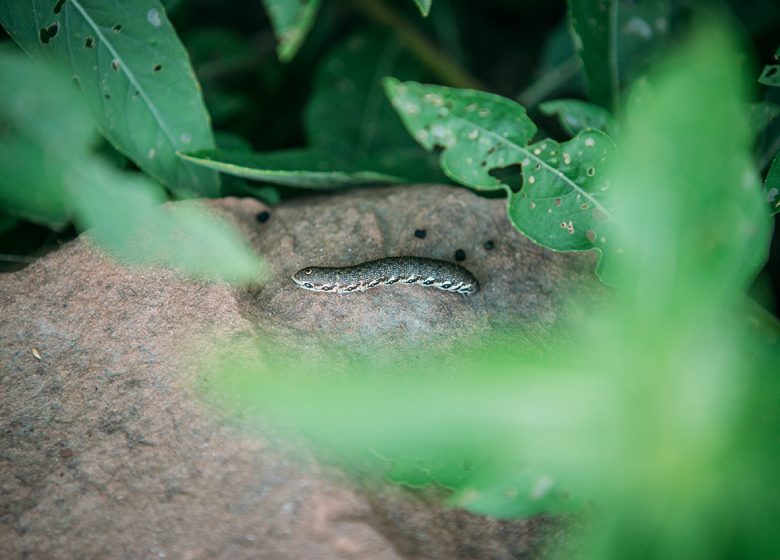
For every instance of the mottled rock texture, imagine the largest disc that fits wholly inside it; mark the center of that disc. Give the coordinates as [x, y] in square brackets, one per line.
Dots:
[107, 452]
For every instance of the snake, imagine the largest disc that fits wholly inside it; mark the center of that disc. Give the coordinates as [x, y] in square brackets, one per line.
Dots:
[444, 275]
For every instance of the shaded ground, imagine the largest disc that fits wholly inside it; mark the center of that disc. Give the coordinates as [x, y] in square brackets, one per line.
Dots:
[106, 451]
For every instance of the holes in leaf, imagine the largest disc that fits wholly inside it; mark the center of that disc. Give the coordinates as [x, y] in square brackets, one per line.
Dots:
[117, 28]
[107, 96]
[772, 71]
[46, 34]
[115, 65]
[58, 6]
[591, 171]
[511, 175]
[460, 255]
[89, 43]
[157, 67]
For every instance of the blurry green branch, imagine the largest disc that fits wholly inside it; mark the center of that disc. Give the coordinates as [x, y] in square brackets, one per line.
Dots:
[439, 63]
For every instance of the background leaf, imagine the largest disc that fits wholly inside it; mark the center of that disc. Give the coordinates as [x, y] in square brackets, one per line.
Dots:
[354, 135]
[424, 5]
[302, 168]
[772, 186]
[135, 76]
[576, 116]
[771, 73]
[617, 40]
[561, 204]
[291, 20]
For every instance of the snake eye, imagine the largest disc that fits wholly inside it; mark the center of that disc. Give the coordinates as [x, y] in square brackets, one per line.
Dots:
[308, 285]
[307, 271]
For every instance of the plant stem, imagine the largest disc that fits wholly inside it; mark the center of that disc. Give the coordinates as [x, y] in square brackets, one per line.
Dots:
[444, 67]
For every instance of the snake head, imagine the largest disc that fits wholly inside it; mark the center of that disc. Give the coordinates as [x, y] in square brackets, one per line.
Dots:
[309, 278]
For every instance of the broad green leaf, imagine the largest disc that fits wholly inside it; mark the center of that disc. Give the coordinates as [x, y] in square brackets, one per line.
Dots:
[125, 215]
[576, 116]
[134, 74]
[772, 186]
[291, 20]
[303, 168]
[562, 201]
[771, 74]
[424, 5]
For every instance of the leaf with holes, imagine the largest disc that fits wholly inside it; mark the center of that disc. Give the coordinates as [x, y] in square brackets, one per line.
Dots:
[576, 115]
[135, 77]
[305, 168]
[425, 6]
[771, 74]
[291, 20]
[562, 202]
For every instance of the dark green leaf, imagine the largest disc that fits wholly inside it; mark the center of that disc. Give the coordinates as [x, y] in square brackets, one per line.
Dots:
[291, 20]
[561, 204]
[593, 23]
[576, 116]
[134, 73]
[349, 116]
[772, 186]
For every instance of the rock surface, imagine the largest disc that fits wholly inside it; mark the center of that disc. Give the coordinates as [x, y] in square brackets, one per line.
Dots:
[106, 451]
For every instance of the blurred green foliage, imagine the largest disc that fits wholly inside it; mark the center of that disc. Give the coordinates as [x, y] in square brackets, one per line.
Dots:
[661, 413]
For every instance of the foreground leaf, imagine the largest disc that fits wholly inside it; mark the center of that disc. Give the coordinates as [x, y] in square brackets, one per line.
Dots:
[291, 20]
[135, 76]
[562, 201]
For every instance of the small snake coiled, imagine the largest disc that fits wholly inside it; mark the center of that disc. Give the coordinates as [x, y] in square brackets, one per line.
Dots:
[444, 275]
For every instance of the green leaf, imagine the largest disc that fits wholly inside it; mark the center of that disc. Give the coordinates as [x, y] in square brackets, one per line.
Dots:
[127, 219]
[45, 127]
[303, 168]
[425, 6]
[684, 139]
[593, 24]
[291, 20]
[761, 115]
[771, 74]
[772, 186]
[576, 116]
[349, 116]
[134, 74]
[617, 40]
[561, 204]
[354, 134]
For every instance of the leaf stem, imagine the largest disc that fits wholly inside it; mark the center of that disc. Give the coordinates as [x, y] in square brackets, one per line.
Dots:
[438, 62]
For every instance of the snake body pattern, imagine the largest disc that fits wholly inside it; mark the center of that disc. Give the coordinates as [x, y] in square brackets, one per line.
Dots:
[444, 275]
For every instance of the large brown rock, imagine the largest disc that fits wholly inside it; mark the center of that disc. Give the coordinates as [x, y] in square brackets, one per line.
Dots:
[107, 452]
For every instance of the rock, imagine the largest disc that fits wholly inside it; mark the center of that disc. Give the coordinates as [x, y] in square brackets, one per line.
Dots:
[107, 452]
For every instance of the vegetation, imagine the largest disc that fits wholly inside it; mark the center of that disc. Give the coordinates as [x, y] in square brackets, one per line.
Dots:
[640, 136]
